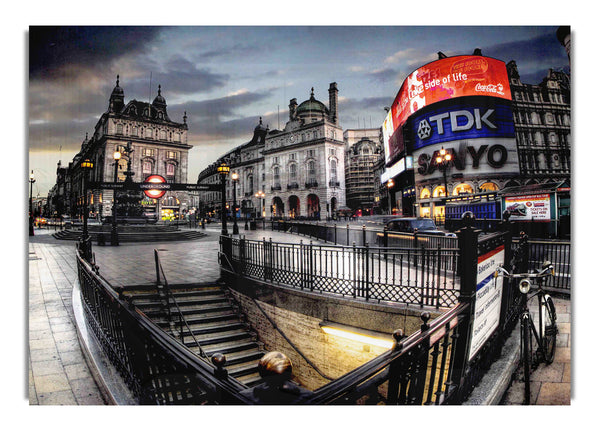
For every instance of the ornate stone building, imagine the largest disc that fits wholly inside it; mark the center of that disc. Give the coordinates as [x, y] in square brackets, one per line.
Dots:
[158, 146]
[297, 172]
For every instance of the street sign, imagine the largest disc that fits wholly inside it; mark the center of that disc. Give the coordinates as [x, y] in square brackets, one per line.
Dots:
[154, 186]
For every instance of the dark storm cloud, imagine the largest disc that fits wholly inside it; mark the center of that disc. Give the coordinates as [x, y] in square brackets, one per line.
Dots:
[529, 53]
[177, 75]
[51, 48]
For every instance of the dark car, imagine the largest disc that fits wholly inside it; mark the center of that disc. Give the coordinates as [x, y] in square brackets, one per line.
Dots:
[415, 224]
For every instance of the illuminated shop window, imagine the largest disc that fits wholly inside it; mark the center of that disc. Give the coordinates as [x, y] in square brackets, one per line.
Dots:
[439, 192]
[462, 189]
[488, 187]
[425, 193]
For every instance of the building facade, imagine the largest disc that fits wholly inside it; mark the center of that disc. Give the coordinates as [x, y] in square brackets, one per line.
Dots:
[149, 142]
[362, 153]
[297, 172]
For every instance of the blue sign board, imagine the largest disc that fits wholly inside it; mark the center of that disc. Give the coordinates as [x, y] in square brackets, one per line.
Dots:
[477, 119]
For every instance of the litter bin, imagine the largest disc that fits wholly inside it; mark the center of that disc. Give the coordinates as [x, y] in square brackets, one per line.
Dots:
[252, 224]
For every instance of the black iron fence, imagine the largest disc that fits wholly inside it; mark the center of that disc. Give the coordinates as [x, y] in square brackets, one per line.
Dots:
[557, 251]
[436, 365]
[156, 368]
[420, 276]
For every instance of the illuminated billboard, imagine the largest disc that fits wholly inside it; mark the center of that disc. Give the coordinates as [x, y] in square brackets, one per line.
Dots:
[444, 79]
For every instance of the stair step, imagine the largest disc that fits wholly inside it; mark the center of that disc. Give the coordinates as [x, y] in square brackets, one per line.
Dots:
[250, 379]
[219, 338]
[226, 348]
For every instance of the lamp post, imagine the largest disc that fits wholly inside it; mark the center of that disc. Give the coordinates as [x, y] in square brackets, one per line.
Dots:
[390, 185]
[260, 194]
[31, 181]
[223, 171]
[114, 235]
[234, 178]
[86, 166]
[442, 160]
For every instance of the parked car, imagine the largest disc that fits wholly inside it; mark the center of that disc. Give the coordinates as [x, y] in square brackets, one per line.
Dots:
[415, 224]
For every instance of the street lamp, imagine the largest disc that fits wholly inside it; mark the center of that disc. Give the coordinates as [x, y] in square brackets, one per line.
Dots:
[390, 184]
[442, 160]
[86, 166]
[31, 181]
[234, 178]
[114, 235]
[261, 194]
[223, 171]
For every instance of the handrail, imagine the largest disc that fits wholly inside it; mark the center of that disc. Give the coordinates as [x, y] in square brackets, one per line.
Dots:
[137, 327]
[277, 328]
[403, 347]
[181, 316]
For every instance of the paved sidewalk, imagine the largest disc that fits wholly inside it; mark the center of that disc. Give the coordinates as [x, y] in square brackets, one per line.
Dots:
[58, 372]
[550, 384]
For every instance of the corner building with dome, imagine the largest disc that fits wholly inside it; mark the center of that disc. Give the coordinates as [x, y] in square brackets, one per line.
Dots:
[296, 173]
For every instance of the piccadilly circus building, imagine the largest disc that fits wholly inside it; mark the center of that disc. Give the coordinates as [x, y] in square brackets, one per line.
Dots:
[450, 142]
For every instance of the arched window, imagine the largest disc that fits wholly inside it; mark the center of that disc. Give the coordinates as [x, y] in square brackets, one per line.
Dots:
[119, 129]
[462, 189]
[333, 169]
[488, 187]
[439, 192]
[425, 193]
[293, 171]
[312, 172]
[276, 174]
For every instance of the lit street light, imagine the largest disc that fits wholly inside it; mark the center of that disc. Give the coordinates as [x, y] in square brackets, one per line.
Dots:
[223, 171]
[261, 194]
[114, 235]
[442, 160]
[31, 181]
[390, 185]
[86, 167]
[234, 178]
[444, 157]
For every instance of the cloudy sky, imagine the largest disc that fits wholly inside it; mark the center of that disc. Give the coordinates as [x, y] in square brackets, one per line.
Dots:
[226, 77]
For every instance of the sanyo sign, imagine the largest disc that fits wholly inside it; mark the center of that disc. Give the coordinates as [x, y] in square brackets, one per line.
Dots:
[446, 124]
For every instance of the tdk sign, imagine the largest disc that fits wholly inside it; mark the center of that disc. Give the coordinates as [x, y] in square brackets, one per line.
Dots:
[449, 124]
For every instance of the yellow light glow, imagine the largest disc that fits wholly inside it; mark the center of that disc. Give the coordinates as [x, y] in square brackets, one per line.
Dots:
[362, 338]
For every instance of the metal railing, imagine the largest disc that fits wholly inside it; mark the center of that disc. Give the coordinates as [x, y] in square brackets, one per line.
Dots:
[424, 277]
[165, 294]
[557, 251]
[432, 366]
[155, 367]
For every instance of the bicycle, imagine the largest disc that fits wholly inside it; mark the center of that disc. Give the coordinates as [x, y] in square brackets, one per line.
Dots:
[546, 337]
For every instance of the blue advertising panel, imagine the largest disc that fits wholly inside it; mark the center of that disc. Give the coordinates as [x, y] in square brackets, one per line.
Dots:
[469, 119]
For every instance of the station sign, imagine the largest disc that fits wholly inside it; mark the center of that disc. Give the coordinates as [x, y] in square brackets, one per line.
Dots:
[488, 299]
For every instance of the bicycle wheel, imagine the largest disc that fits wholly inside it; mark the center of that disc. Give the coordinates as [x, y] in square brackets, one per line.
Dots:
[526, 353]
[549, 328]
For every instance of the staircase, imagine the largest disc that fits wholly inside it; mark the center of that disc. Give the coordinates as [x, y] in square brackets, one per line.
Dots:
[215, 322]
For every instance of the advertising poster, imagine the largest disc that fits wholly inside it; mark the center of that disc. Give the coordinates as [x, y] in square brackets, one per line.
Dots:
[488, 298]
[444, 79]
[529, 207]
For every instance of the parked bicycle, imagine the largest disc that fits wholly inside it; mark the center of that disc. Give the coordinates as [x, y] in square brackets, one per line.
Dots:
[545, 336]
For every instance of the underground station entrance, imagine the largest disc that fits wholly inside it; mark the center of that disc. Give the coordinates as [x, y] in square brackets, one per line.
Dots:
[308, 324]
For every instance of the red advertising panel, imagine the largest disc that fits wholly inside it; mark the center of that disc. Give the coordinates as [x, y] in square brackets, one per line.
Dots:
[467, 75]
